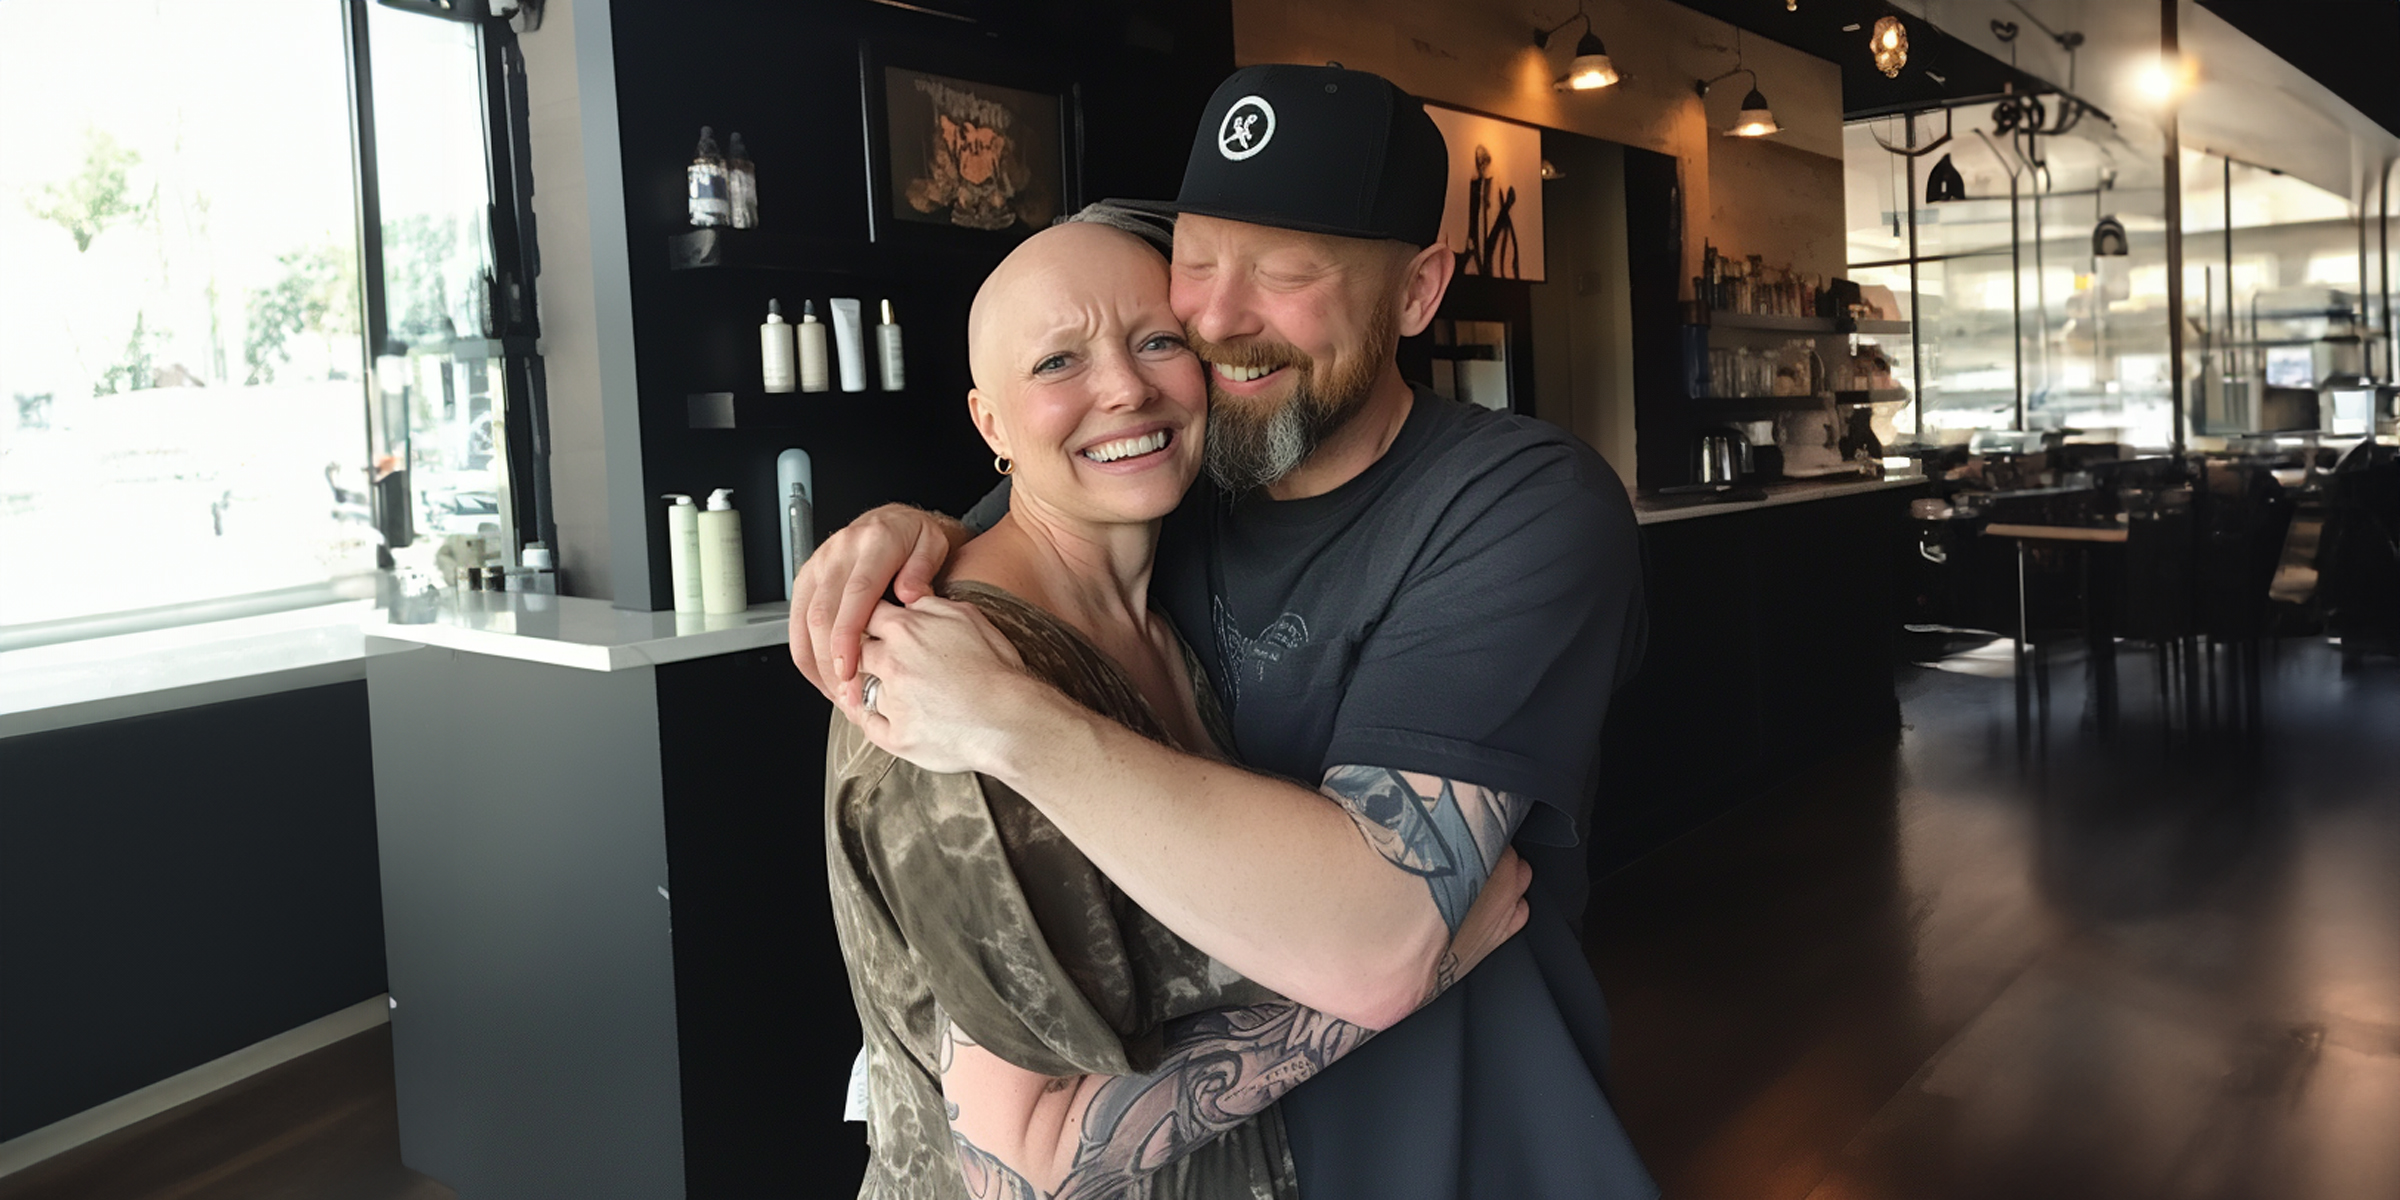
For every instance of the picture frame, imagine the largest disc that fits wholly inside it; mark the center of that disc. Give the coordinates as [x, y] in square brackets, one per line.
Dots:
[965, 150]
[1492, 205]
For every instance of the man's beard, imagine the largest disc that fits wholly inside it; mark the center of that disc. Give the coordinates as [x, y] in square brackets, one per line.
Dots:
[1250, 444]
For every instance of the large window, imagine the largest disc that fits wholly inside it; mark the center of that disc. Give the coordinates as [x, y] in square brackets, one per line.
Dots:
[189, 409]
[2023, 321]
[179, 306]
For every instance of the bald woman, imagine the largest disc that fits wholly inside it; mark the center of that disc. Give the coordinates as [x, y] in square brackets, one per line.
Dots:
[1029, 1031]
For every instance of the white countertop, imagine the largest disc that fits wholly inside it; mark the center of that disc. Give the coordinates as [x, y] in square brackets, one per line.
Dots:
[1793, 491]
[103, 679]
[593, 635]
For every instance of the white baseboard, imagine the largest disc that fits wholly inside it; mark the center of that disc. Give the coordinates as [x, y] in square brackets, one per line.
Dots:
[58, 1137]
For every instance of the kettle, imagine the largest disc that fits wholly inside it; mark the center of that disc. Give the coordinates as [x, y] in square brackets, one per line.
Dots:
[1723, 456]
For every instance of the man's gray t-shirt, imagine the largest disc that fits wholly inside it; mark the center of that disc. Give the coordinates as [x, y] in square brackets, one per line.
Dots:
[1462, 608]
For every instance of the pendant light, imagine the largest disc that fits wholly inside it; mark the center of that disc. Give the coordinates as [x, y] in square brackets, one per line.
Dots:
[1944, 182]
[1889, 44]
[1755, 119]
[2108, 238]
[1591, 69]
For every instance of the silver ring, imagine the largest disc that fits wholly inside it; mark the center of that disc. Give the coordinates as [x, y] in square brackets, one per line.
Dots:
[869, 690]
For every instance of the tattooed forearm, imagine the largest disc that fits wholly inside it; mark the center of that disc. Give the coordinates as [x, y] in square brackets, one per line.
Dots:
[1222, 1068]
[1447, 833]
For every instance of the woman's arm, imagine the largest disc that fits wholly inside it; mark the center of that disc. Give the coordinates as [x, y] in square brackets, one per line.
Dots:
[1026, 1136]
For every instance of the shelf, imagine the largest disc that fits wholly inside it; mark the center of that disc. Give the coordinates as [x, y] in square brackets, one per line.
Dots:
[760, 250]
[1763, 404]
[1890, 395]
[773, 410]
[1772, 324]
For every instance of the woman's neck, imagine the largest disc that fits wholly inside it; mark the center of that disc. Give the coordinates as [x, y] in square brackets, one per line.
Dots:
[1093, 576]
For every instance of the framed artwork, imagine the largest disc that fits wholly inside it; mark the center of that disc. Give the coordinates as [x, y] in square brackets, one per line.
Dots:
[961, 152]
[1492, 216]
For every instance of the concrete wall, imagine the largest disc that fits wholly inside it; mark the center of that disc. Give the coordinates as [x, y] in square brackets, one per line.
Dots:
[585, 301]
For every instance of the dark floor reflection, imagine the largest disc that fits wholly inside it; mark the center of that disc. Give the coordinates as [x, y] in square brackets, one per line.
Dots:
[2166, 964]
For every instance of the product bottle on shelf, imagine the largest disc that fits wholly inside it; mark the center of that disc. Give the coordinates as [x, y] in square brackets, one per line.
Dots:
[814, 377]
[708, 190]
[723, 588]
[775, 349]
[893, 366]
[742, 180]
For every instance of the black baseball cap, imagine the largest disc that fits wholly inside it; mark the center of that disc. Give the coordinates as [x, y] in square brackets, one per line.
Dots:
[1317, 149]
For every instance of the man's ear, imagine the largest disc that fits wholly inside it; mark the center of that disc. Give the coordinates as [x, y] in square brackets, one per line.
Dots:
[986, 416]
[1425, 280]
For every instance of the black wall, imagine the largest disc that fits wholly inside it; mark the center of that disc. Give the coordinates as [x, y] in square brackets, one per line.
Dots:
[177, 886]
[787, 76]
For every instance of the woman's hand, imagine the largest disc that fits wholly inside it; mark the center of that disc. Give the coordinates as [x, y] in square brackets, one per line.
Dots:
[951, 691]
[1496, 916]
[843, 582]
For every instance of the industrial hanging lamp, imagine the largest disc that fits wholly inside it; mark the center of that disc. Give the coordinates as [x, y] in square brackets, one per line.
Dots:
[1889, 44]
[2108, 238]
[1591, 69]
[1755, 119]
[1944, 182]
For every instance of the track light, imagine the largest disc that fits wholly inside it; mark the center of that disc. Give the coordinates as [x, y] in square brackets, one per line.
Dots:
[1591, 68]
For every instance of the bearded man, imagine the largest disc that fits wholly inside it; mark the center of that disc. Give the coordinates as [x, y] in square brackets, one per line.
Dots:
[1415, 607]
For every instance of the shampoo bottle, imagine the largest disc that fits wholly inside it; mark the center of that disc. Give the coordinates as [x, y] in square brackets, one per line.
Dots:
[887, 351]
[722, 589]
[683, 553]
[813, 376]
[775, 349]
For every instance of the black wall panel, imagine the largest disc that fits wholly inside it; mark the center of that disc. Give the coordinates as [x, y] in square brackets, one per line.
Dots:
[177, 886]
[787, 76]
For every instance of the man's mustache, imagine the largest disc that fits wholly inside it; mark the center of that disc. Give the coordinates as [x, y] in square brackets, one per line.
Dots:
[1251, 353]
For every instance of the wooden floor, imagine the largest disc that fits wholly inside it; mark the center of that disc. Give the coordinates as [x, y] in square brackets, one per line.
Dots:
[2158, 969]
[321, 1127]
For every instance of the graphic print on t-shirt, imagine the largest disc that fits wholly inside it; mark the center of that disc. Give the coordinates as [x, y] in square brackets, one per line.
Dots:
[1250, 656]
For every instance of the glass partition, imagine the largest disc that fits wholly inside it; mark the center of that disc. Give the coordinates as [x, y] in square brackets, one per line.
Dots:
[2023, 317]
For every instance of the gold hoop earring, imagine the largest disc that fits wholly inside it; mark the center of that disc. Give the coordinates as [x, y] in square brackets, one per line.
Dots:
[1001, 463]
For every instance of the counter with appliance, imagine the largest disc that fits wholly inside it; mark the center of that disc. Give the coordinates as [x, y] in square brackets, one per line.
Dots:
[1773, 629]
[612, 962]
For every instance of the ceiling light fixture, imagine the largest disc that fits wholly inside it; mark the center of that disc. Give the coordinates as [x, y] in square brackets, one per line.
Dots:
[1590, 70]
[2163, 80]
[1889, 43]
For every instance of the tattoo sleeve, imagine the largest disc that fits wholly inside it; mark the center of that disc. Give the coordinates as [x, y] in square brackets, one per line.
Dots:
[1222, 1068]
[1449, 834]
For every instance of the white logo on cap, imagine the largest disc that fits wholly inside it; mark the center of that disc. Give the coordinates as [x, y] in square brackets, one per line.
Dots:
[1249, 126]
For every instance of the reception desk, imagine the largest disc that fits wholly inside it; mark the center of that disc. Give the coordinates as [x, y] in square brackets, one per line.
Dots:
[612, 962]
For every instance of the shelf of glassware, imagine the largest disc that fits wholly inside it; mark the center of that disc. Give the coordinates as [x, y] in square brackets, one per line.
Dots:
[1774, 323]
